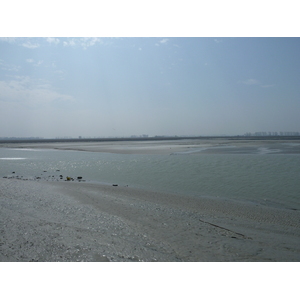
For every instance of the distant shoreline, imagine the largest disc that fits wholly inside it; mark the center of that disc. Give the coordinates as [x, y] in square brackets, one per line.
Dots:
[168, 146]
[156, 138]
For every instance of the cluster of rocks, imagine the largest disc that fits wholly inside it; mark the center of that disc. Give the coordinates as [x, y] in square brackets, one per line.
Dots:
[47, 178]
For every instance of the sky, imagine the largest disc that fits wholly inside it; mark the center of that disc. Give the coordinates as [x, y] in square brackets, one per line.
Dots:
[115, 87]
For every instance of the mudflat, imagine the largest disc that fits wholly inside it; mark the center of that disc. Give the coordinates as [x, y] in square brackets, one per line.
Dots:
[167, 147]
[80, 221]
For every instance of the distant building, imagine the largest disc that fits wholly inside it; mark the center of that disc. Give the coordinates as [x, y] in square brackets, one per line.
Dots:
[274, 133]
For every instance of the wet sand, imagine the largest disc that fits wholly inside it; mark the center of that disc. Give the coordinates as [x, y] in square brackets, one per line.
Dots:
[79, 221]
[167, 147]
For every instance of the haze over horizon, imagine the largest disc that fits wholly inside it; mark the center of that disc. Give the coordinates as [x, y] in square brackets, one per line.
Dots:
[102, 87]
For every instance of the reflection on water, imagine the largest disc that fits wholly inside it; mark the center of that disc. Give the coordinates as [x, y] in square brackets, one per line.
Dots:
[12, 158]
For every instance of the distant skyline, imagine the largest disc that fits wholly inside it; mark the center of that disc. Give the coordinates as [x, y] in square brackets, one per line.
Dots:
[102, 87]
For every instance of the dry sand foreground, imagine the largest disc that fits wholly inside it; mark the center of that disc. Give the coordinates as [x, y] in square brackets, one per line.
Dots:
[68, 221]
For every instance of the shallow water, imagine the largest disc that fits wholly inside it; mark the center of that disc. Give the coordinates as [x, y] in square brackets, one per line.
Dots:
[268, 179]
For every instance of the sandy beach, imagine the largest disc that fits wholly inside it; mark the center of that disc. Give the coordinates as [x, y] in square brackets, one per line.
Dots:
[72, 221]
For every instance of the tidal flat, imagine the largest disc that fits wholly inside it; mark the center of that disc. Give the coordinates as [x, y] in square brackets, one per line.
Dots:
[213, 145]
[71, 221]
[46, 220]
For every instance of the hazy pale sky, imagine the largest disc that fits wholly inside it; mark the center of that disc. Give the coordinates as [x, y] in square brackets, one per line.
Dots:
[100, 87]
